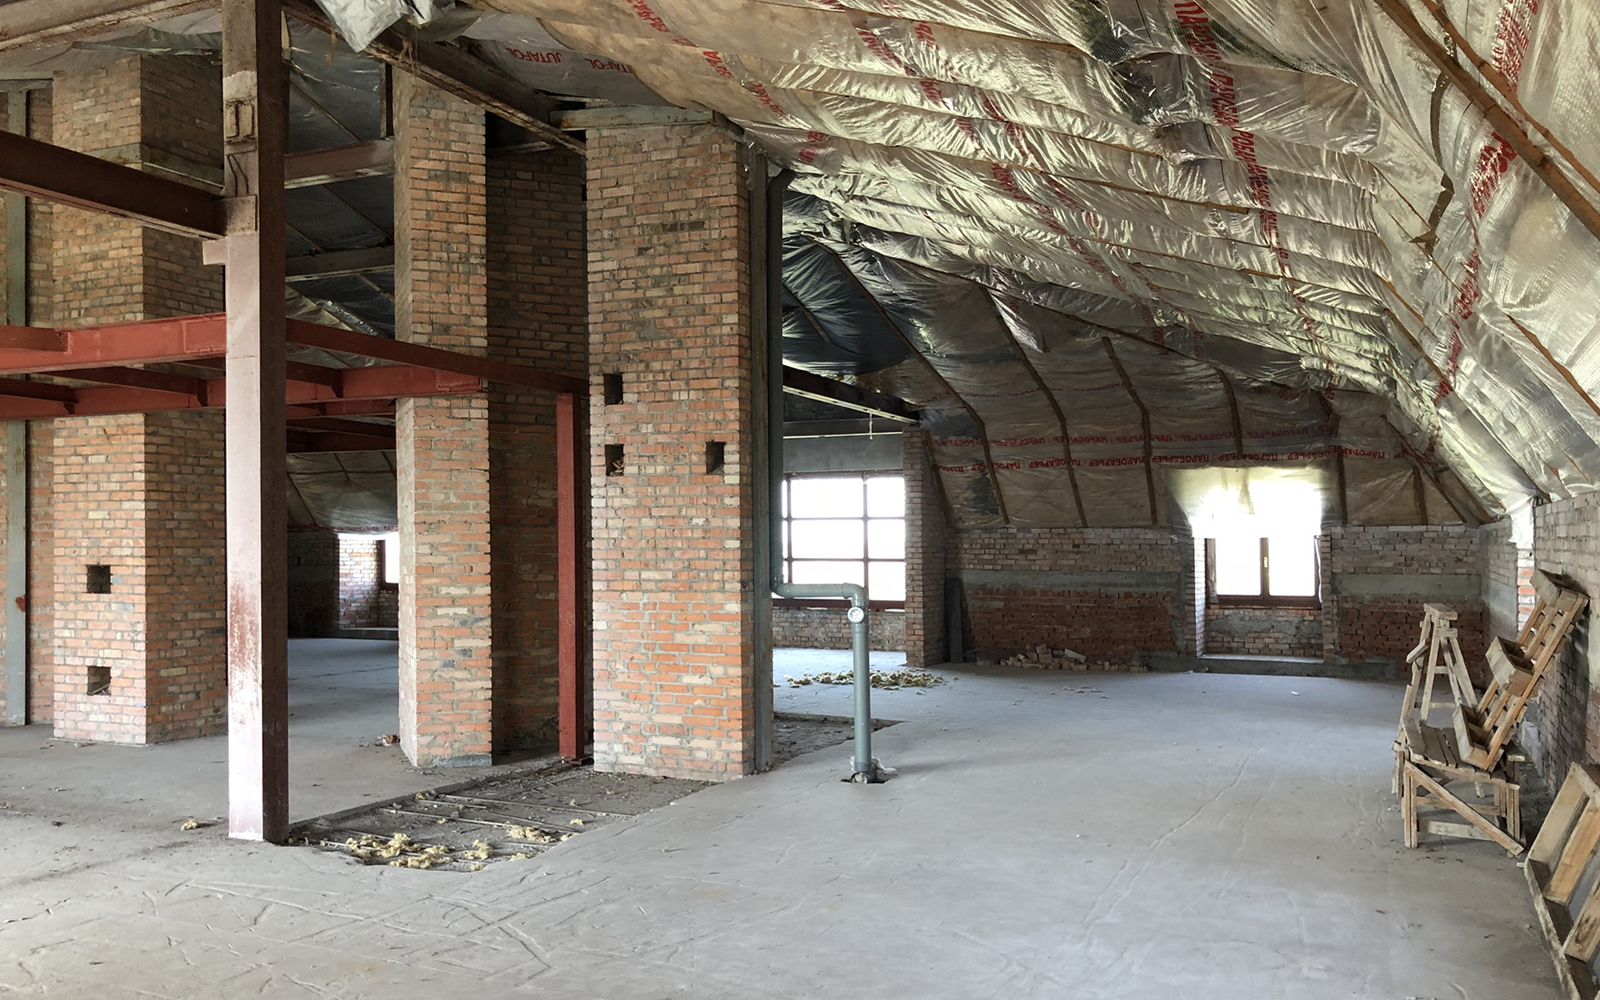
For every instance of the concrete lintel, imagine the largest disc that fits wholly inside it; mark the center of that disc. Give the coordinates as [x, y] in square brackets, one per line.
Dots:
[1108, 582]
[1455, 587]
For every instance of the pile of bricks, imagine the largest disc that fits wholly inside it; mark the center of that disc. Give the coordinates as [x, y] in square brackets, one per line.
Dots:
[1045, 658]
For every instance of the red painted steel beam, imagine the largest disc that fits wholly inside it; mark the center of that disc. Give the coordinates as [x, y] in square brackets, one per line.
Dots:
[67, 177]
[137, 378]
[186, 339]
[402, 353]
[295, 371]
[32, 338]
[570, 728]
[18, 389]
[314, 443]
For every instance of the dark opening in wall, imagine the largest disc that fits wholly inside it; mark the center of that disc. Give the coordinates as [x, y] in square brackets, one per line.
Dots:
[98, 580]
[98, 683]
[715, 451]
[612, 383]
[615, 463]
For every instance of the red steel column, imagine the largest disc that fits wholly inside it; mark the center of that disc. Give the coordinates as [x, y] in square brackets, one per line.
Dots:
[569, 656]
[254, 128]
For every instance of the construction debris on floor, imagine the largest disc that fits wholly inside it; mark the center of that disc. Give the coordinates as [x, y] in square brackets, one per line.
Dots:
[505, 819]
[1044, 658]
[519, 817]
[885, 680]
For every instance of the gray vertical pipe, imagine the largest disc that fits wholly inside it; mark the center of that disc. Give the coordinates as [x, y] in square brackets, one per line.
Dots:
[16, 449]
[863, 768]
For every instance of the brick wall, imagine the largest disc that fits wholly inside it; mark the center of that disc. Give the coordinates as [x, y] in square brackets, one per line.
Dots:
[441, 294]
[925, 639]
[141, 494]
[1563, 723]
[1108, 593]
[1264, 631]
[1378, 578]
[827, 628]
[364, 601]
[538, 316]
[1506, 572]
[313, 582]
[674, 653]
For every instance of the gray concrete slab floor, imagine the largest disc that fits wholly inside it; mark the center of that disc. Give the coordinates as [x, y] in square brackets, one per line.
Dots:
[1080, 836]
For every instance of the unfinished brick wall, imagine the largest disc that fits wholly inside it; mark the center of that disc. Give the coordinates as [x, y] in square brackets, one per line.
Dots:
[926, 642]
[674, 653]
[538, 316]
[1506, 572]
[1378, 579]
[1108, 593]
[1563, 723]
[139, 494]
[1264, 631]
[313, 582]
[827, 628]
[441, 299]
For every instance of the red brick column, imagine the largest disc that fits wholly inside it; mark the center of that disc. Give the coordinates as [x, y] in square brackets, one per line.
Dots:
[144, 660]
[442, 444]
[926, 640]
[538, 316]
[673, 539]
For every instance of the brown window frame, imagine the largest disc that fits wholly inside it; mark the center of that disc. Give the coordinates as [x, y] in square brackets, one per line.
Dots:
[788, 559]
[1265, 599]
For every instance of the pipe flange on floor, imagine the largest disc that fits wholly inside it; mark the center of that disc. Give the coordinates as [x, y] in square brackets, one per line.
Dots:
[876, 775]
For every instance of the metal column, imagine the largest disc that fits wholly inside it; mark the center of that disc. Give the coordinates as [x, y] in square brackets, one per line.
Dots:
[16, 449]
[570, 655]
[254, 99]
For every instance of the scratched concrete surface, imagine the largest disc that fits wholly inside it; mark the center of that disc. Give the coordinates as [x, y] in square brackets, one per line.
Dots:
[1048, 835]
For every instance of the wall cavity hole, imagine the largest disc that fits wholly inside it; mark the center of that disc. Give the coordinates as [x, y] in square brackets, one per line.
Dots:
[716, 453]
[616, 464]
[612, 384]
[97, 580]
[98, 683]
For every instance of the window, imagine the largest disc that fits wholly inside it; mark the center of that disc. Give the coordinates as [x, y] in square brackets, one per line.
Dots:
[389, 559]
[847, 529]
[1241, 569]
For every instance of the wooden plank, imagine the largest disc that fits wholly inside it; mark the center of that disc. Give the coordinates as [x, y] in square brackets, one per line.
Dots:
[1563, 816]
[1577, 982]
[255, 101]
[1575, 856]
[1585, 935]
[1450, 801]
[629, 117]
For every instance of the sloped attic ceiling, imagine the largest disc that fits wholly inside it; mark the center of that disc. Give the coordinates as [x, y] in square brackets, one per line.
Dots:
[1102, 242]
[1269, 232]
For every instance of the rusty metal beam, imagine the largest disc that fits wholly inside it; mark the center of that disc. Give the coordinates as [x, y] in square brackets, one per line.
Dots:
[50, 173]
[341, 263]
[25, 23]
[1504, 124]
[255, 99]
[403, 353]
[570, 728]
[373, 158]
[454, 71]
[799, 382]
[137, 378]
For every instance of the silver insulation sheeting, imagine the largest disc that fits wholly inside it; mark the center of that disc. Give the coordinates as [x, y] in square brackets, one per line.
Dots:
[1104, 243]
[1085, 217]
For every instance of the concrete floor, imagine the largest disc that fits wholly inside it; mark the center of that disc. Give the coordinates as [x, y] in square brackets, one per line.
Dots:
[1049, 835]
